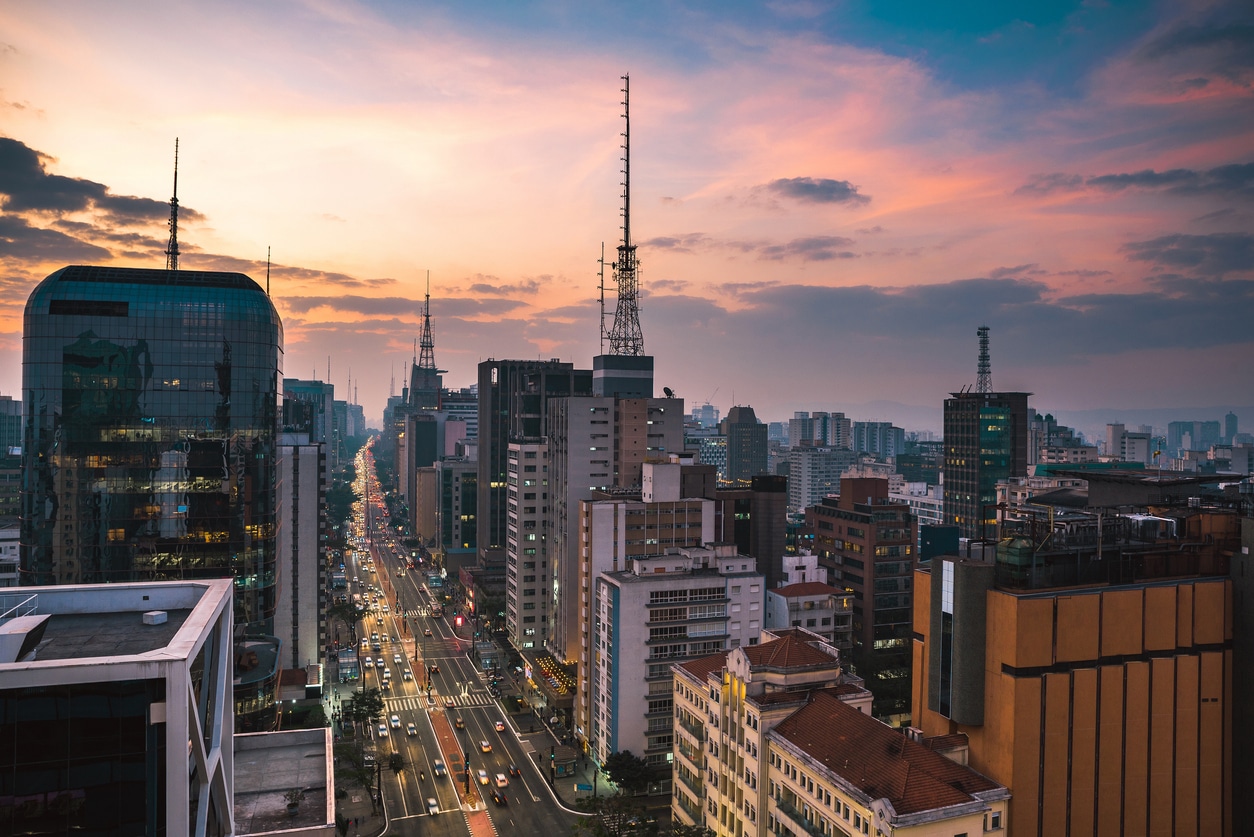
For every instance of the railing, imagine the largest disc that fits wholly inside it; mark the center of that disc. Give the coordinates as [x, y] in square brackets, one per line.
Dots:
[691, 783]
[796, 816]
[12, 607]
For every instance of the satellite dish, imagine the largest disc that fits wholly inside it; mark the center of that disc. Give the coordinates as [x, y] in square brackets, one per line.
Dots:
[670, 393]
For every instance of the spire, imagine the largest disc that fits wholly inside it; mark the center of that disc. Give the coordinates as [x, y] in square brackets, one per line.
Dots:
[625, 336]
[172, 249]
[426, 360]
[984, 372]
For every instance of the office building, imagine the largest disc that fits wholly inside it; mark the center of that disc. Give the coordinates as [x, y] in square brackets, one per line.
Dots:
[683, 603]
[823, 610]
[115, 709]
[986, 440]
[878, 437]
[320, 398]
[10, 423]
[867, 542]
[746, 446]
[1092, 671]
[10, 556]
[300, 615]
[814, 473]
[457, 516]
[527, 546]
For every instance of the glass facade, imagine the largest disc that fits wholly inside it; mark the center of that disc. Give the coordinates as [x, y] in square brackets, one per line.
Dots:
[150, 404]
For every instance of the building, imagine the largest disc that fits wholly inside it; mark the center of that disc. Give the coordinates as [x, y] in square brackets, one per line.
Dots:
[814, 473]
[868, 544]
[878, 437]
[746, 446]
[986, 440]
[115, 709]
[11, 423]
[150, 445]
[926, 502]
[10, 556]
[300, 613]
[1185, 436]
[457, 515]
[695, 601]
[1123, 445]
[821, 609]
[755, 519]
[1091, 672]
[513, 407]
[527, 586]
[320, 397]
[10, 486]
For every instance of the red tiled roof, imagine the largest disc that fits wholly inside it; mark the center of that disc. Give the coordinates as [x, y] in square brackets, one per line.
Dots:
[293, 677]
[806, 588]
[878, 760]
[705, 666]
[786, 652]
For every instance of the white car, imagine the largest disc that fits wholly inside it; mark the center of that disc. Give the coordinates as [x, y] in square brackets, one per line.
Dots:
[369, 663]
[408, 675]
[411, 729]
[395, 721]
[501, 781]
[396, 658]
[383, 730]
[433, 807]
[483, 777]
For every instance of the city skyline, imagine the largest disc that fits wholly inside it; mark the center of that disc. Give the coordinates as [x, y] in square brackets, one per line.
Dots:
[820, 191]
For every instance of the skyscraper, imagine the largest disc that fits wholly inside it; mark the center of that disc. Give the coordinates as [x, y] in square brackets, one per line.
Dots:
[149, 451]
[986, 440]
[746, 445]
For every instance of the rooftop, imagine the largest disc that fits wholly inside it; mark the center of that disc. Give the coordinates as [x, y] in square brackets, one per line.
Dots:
[878, 761]
[705, 666]
[268, 765]
[791, 650]
[806, 588]
[73, 635]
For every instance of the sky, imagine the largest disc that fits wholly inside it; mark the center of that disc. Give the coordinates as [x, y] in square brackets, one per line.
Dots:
[828, 198]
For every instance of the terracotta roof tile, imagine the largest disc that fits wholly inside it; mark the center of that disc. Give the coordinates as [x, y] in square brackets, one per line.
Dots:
[806, 588]
[705, 666]
[789, 651]
[878, 760]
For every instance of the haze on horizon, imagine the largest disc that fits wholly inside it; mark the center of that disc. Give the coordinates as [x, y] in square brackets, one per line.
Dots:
[828, 197]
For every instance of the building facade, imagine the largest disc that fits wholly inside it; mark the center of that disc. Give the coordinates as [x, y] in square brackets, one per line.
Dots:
[527, 545]
[300, 615]
[986, 440]
[746, 445]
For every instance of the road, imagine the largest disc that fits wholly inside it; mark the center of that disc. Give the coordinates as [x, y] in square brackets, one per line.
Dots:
[457, 691]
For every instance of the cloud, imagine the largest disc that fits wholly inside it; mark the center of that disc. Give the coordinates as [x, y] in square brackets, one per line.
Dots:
[1016, 271]
[444, 309]
[27, 187]
[1205, 255]
[1044, 184]
[687, 243]
[494, 286]
[1236, 180]
[876, 230]
[19, 240]
[817, 190]
[818, 248]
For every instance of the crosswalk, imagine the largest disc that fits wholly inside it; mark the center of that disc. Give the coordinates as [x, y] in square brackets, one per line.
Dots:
[473, 698]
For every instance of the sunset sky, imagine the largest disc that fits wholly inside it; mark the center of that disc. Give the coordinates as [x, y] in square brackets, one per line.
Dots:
[828, 197]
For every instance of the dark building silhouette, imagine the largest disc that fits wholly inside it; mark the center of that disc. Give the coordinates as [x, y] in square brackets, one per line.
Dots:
[986, 440]
[746, 445]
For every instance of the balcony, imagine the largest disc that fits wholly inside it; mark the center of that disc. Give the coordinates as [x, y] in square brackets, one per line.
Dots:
[797, 817]
[696, 730]
[692, 783]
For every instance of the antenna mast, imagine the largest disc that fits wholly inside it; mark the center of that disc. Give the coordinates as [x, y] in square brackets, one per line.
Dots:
[172, 249]
[984, 376]
[267, 271]
[625, 336]
[426, 360]
[601, 287]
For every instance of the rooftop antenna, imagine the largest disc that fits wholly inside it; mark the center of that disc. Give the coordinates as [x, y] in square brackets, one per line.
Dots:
[601, 287]
[426, 360]
[267, 271]
[984, 376]
[172, 249]
[625, 336]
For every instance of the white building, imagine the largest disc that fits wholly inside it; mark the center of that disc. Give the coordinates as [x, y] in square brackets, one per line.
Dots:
[10, 557]
[527, 544]
[821, 609]
[684, 604]
[116, 702]
[814, 473]
[300, 608]
[926, 502]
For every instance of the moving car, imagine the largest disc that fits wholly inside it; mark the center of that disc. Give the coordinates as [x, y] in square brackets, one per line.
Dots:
[498, 797]
[485, 746]
[407, 674]
[483, 777]
[411, 729]
[427, 632]
[437, 767]
[501, 781]
[500, 726]
[448, 701]
[395, 720]
[396, 658]
[433, 807]
[383, 730]
[459, 723]
[514, 771]
[368, 663]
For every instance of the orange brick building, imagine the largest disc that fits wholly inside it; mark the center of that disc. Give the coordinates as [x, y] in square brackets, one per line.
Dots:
[1103, 704]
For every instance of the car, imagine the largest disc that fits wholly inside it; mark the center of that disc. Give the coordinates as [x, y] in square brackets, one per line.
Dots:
[374, 637]
[396, 658]
[368, 663]
[411, 728]
[458, 723]
[383, 730]
[437, 767]
[385, 686]
[376, 647]
[498, 797]
[379, 663]
[385, 638]
[448, 701]
[514, 771]
[378, 620]
[433, 807]
[483, 777]
[407, 674]
[426, 632]
[500, 780]
[385, 608]
[387, 674]
[435, 669]
[395, 721]
[485, 746]
[500, 726]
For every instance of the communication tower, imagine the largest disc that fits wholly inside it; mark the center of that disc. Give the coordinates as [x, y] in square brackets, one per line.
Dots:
[172, 249]
[984, 376]
[624, 336]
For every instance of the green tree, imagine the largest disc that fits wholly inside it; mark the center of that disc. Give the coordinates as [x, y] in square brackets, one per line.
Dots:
[679, 829]
[396, 762]
[630, 772]
[614, 816]
[364, 707]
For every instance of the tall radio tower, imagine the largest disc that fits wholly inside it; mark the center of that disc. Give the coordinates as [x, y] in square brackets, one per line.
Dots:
[172, 249]
[426, 360]
[625, 336]
[984, 376]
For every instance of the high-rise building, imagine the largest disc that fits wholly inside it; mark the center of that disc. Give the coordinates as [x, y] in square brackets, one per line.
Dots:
[1230, 427]
[755, 518]
[527, 589]
[320, 397]
[300, 615]
[115, 709]
[746, 445]
[11, 423]
[1091, 667]
[867, 542]
[986, 440]
[814, 473]
[878, 437]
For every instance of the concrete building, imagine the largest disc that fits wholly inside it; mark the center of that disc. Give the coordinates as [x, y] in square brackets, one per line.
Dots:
[695, 602]
[300, 613]
[10, 556]
[1091, 673]
[269, 766]
[456, 527]
[755, 519]
[821, 609]
[878, 437]
[527, 545]
[926, 502]
[814, 473]
[746, 445]
[115, 709]
[320, 397]
[986, 440]
[868, 543]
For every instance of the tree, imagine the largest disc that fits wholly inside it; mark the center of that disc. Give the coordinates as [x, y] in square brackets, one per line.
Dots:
[364, 707]
[679, 829]
[614, 816]
[630, 772]
[397, 762]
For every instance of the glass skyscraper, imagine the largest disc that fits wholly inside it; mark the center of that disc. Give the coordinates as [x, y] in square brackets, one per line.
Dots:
[149, 421]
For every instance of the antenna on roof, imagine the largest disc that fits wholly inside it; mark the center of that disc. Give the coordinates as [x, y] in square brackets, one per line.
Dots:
[625, 335]
[267, 271]
[984, 373]
[172, 249]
